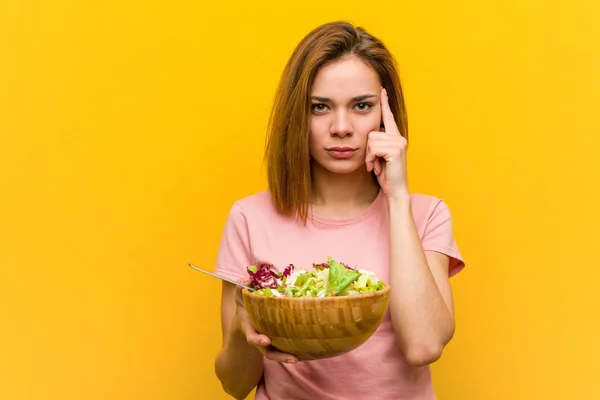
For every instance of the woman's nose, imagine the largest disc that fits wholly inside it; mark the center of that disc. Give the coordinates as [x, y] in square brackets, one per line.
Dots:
[341, 125]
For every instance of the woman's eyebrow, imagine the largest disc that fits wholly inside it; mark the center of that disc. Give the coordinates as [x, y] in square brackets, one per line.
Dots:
[356, 98]
[363, 97]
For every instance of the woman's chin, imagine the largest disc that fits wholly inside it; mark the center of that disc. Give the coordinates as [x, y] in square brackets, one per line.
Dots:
[343, 168]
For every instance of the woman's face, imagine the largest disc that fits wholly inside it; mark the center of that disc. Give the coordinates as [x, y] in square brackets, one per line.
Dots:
[345, 108]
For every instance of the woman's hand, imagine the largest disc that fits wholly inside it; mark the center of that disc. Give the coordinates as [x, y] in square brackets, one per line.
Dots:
[386, 153]
[259, 341]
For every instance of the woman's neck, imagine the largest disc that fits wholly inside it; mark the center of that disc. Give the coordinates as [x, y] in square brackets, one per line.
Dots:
[342, 195]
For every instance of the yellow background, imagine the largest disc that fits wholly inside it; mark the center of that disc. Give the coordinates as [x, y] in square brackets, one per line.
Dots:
[129, 127]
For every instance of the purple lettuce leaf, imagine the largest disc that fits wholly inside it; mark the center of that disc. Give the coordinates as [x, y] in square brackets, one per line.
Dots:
[326, 265]
[263, 277]
[288, 270]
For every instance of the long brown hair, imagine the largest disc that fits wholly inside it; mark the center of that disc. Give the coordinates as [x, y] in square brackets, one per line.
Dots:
[287, 154]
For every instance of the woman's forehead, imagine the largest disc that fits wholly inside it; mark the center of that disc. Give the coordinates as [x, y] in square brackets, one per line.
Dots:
[345, 78]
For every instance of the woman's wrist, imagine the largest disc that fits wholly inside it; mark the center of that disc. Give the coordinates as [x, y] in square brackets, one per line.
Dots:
[399, 199]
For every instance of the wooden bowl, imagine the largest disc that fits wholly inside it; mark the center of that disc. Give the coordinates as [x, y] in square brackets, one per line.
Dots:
[316, 328]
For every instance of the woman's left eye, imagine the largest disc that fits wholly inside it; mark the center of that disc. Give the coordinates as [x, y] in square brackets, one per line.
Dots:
[363, 106]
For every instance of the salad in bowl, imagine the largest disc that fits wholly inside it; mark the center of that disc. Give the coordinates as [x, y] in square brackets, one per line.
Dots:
[330, 279]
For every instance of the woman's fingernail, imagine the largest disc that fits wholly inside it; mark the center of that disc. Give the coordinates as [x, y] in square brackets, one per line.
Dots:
[263, 342]
[290, 361]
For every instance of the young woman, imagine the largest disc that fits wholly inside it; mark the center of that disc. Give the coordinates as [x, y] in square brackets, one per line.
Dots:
[338, 187]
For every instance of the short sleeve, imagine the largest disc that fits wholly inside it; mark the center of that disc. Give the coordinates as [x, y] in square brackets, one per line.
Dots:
[234, 254]
[438, 236]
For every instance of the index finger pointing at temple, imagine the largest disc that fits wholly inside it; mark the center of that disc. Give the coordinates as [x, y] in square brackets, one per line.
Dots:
[387, 116]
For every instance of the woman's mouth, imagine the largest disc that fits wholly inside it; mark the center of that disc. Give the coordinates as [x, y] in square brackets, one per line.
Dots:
[341, 152]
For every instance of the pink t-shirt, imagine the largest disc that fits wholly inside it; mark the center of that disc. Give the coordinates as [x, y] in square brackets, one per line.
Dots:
[377, 370]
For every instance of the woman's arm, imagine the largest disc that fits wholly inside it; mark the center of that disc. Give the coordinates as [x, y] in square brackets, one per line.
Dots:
[421, 303]
[421, 298]
[239, 364]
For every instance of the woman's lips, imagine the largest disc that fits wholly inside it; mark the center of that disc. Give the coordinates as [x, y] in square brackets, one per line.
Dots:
[341, 152]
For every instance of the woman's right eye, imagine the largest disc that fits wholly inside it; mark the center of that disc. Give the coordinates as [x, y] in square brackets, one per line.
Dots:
[319, 107]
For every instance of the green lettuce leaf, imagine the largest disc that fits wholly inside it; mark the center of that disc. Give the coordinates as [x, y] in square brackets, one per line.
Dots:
[305, 288]
[340, 277]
